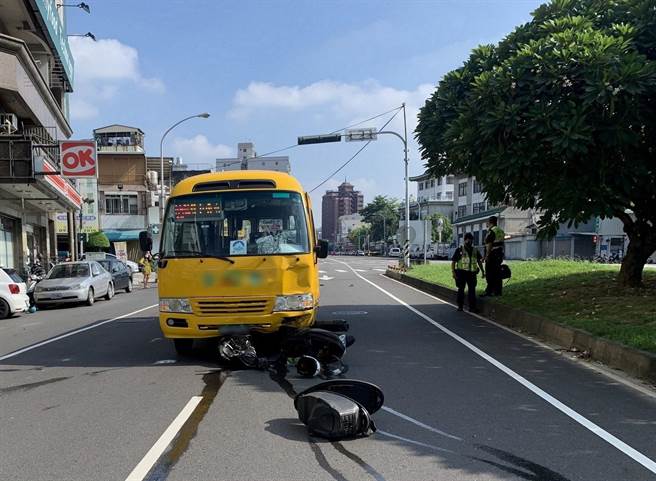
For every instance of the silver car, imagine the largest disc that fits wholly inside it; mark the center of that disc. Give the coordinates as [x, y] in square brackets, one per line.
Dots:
[74, 282]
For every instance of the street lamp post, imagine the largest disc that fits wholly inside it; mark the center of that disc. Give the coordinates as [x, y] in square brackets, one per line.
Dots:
[370, 135]
[161, 160]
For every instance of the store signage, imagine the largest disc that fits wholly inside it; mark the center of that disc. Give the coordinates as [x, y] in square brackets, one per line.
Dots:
[61, 223]
[60, 184]
[78, 158]
[88, 189]
[48, 10]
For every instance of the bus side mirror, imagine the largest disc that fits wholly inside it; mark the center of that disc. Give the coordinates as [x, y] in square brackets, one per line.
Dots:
[145, 241]
[321, 249]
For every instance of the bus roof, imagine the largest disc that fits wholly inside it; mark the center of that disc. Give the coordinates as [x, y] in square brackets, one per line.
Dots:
[282, 180]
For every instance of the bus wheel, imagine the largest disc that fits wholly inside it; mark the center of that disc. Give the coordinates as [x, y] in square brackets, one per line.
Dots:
[183, 346]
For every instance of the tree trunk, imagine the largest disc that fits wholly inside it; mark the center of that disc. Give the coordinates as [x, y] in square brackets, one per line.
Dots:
[642, 243]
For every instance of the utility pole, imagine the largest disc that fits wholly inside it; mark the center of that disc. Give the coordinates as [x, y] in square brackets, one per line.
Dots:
[369, 135]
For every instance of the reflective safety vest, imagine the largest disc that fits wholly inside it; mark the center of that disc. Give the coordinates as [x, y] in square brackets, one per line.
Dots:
[499, 235]
[467, 262]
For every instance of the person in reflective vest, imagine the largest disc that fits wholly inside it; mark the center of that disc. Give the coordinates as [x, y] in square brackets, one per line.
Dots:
[465, 266]
[494, 244]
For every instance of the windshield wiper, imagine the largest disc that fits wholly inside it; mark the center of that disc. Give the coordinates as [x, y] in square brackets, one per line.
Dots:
[190, 253]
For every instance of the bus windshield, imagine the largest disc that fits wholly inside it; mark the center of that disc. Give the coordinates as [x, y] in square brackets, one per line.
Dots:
[245, 223]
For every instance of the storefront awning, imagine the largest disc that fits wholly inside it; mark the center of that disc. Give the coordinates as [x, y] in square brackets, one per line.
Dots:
[122, 235]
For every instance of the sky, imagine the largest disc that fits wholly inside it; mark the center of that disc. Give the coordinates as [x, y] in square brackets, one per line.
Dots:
[269, 71]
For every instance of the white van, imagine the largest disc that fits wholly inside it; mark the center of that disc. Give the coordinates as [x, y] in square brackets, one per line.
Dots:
[394, 252]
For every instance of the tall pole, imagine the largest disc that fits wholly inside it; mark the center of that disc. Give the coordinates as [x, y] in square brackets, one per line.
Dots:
[161, 161]
[406, 248]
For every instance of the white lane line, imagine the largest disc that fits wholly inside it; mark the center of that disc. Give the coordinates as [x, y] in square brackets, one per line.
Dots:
[583, 421]
[322, 272]
[340, 270]
[72, 333]
[420, 424]
[412, 441]
[361, 270]
[597, 368]
[145, 465]
[380, 270]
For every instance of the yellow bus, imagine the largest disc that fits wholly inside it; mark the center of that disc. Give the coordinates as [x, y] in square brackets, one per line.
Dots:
[238, 253]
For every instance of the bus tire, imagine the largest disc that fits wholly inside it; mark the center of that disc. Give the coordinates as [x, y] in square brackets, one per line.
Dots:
[183, 346]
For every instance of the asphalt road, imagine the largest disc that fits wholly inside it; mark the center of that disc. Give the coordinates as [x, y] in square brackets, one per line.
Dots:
[86, 393]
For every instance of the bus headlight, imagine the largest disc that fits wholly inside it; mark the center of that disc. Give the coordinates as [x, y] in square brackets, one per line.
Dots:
[297, 302]
[174, 304]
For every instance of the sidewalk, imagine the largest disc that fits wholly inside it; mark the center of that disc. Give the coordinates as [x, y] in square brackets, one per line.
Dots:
[137, 279]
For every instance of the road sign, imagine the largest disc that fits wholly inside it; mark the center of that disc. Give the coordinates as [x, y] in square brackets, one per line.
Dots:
[78, 158]
[319, 139]
[356, 135]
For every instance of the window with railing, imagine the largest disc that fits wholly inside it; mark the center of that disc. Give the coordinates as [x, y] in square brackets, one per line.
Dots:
[121, 204]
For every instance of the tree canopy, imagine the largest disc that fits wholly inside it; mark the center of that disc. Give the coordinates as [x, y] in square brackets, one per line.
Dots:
[98, 240]
[382, 209]
[559, 116]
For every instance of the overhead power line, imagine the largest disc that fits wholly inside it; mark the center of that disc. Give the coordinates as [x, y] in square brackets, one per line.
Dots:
[357, 153]
[396, 110]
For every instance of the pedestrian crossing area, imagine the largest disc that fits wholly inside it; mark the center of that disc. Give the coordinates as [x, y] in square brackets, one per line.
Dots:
[334, 269]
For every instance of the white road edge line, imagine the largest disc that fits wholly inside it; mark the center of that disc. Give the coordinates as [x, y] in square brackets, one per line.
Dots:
[597, 368]
[420, 424]
[142, 469]
[583, 421]
[72, 333]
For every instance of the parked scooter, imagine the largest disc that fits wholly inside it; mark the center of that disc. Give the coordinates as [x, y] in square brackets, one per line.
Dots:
[37, 274]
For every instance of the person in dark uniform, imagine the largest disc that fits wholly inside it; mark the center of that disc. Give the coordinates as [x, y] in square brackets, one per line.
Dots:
[465, 265]
[494, 244]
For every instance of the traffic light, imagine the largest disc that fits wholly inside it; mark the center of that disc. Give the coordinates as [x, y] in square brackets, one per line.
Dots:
[82, 237]
[594, 239]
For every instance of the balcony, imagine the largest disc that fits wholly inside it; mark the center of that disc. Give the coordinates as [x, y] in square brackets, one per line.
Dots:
[121, 149]
[24, 88]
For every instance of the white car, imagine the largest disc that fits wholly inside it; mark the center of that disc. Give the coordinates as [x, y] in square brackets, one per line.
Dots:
[82, 281]
[13, 293]
[394, 252]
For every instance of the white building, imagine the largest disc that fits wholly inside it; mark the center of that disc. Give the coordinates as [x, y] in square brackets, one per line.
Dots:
[247, 159]
[433, 188]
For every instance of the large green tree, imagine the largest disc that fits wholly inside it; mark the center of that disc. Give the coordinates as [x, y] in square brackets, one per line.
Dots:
[97, 240]
[382, 209]
[559, 116]
[358, 236]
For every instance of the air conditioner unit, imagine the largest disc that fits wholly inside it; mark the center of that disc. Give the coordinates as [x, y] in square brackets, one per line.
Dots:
[8, 124]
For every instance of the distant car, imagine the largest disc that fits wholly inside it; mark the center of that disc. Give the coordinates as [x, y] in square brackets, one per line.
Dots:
[13, 293]
[121, 274]
[394, 252]
[134, 267]
[82, 281]
[359, 253]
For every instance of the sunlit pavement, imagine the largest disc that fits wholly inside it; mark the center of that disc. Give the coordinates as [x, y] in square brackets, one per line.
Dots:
[90, 392]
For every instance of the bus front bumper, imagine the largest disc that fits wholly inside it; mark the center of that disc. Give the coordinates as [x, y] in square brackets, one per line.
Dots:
[189, 326]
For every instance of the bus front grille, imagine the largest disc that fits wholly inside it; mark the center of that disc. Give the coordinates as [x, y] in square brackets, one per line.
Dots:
[230, 307]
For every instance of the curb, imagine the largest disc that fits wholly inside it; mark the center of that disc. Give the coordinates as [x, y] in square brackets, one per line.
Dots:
[637, 363]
